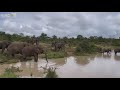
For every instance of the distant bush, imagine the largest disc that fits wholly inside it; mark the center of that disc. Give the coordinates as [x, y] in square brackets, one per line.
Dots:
[116, 43]
[87, 47]
[52, 54]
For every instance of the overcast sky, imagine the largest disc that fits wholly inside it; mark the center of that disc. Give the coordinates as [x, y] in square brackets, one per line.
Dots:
[106, 24]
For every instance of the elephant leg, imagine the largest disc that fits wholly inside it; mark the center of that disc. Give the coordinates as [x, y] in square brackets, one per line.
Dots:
[61, 48]
[3, 50]
[24, 57]
[13, 55]
[36, 57]
[107, 52]
[55, 48]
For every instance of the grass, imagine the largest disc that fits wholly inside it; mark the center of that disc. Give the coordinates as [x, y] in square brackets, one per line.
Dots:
[52, 54]
[51, 73]
[7, 59]
[10, 73]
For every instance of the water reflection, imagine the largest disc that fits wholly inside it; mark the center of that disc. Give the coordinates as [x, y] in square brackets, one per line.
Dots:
[98, 65]
[82, 60]
[117, 58]
[106, 56]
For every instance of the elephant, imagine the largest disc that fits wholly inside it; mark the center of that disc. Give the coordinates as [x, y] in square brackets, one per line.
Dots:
[58, 45]
[106, 50]
[4, 45]
[116, 51]
[16, 48]
[32, 50]
[33, 40]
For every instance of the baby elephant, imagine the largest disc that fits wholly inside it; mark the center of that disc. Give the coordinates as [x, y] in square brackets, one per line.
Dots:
[29, 51]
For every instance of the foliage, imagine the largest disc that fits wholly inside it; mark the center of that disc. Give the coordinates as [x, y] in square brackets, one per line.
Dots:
[52, 54]
[51, 73]
[82, 44]
[10, 72]
[86, 47]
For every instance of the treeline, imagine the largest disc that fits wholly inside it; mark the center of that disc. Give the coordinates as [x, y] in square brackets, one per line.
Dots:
[72, 41]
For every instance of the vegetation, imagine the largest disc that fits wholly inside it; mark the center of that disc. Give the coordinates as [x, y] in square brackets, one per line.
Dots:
[7, 59]
[77, 46]
[86, 47]
[51, 73]
[10, 73]
[52, 54]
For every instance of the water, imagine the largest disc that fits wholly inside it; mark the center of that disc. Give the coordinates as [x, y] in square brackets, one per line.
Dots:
[94, 66]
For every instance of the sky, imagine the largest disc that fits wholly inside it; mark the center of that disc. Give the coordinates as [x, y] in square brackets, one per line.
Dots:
[70, 24]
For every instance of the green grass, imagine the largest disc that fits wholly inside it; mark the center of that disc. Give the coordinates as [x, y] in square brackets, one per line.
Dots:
[7, 59]
[10, 73]
[51, 73]
[52, 54]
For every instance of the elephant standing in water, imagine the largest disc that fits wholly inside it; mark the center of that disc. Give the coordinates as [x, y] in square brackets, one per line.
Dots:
[116, 51]
[107, 50]
[58, 45]
[4, 45]
[16, 48]
[32, 50]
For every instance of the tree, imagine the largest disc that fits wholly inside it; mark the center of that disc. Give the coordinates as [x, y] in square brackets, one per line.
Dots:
[54, 37]
[21, 34]
[43, 36]
[79, 37]
[2, 33]
[91, 37]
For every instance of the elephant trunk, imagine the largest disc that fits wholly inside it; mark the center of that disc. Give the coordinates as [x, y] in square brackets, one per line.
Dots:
[46, 56]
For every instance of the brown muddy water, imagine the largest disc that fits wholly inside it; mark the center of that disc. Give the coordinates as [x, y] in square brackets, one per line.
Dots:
[94, 66]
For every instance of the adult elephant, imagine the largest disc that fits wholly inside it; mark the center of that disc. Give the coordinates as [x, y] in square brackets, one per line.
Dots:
[107, 50]
[58, 45]
[116, 51]
[4, 45]
[16, 48]
[32, 50]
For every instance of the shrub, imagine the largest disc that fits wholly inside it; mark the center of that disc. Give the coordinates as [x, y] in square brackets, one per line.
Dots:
[51, 73]
[86, 47]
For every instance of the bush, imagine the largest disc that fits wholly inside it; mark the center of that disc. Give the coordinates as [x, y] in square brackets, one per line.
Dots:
[10, 72]
[116, 43]
[52, 54]
[7, 59]
[51, 73]
[86, 47]
[8, 75]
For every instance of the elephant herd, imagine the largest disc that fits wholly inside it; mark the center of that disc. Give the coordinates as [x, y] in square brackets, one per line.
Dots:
[28, 48]
[108, 51]
[58, 46]
[23, 48]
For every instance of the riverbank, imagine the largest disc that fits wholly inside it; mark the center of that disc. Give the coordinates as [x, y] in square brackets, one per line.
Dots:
[69, 51]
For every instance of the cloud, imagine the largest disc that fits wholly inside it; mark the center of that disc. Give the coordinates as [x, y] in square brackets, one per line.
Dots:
[62, 24]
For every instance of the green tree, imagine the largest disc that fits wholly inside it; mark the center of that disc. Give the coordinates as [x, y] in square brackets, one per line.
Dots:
[54, 37]
[79, 37]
